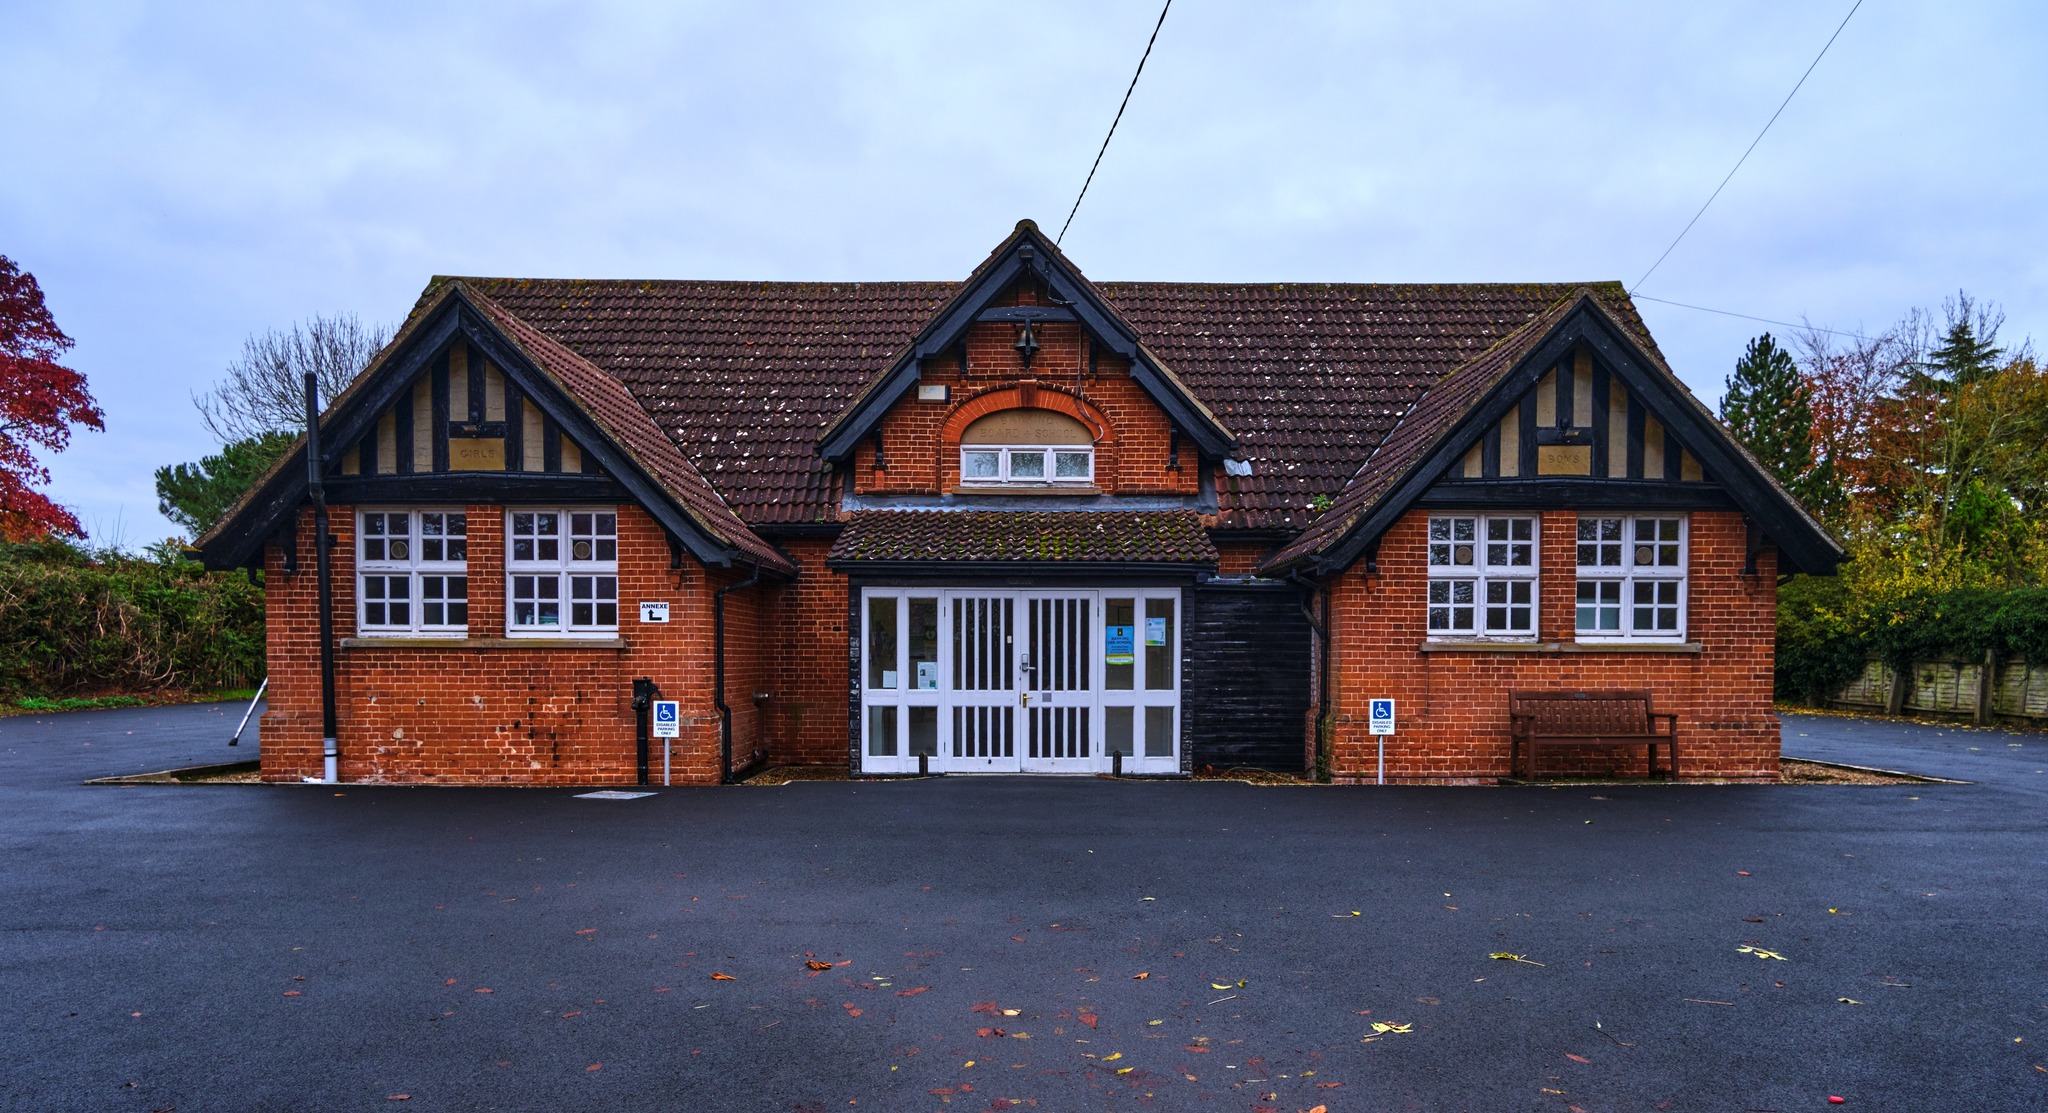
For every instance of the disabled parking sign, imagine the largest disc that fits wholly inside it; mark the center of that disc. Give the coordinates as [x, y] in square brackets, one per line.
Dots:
[1380, 716]
[668, 719]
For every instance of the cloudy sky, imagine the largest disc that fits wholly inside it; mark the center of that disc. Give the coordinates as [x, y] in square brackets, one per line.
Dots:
[180, 176]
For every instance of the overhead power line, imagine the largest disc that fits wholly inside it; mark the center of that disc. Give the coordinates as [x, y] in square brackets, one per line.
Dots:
[1119, 116]
[1745, 154]
[1765, 320]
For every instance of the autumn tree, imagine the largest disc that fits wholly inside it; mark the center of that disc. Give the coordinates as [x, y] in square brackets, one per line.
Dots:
[1767, 410]
[264, 391]
[40, 400]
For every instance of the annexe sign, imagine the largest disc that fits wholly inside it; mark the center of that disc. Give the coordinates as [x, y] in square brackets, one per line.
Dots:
[654, 612]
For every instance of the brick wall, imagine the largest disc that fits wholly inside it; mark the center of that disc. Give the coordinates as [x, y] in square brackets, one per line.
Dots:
[805, 639]
[496, 715]
[1453, 707]
[921, 440]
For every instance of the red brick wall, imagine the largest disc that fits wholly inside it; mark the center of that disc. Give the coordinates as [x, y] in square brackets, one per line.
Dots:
[1239, 558]
[921, 440]
[1453, 707]
[805, 638]
[493, 715]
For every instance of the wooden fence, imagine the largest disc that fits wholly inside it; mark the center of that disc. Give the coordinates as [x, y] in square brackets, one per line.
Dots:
[1983, 690]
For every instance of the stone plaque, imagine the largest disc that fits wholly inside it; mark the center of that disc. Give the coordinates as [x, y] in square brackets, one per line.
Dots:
[476, 454]
[1564, 459]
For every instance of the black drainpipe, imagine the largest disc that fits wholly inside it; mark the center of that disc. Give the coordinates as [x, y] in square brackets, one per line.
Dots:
[1322, 631]
[330, 749]
[718, 672]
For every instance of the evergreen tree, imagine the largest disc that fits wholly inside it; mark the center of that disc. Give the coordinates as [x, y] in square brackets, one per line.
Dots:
[1969, 350]
[1766, 407]
[196, 495]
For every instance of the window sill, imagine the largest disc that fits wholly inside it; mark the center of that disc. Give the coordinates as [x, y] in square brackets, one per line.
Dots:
[403, 642]
[1478, 646]
[1029, 489]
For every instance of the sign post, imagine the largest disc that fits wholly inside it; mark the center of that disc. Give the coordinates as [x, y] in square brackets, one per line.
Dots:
[1380, 721]
[668, 723]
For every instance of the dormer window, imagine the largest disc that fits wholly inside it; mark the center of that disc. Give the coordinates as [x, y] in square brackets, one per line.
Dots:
[1027, 448]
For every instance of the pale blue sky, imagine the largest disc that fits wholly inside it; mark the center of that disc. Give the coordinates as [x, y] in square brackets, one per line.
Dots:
[182, 175]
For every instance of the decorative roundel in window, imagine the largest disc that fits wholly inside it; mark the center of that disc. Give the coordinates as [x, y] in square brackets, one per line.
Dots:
[1644, 555]
[1462, 554]
[580, 550]
[400, 550]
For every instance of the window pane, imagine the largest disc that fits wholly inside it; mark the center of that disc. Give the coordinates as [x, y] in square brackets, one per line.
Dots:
[1159, 732]
[1451, 605]
[1071, 465]
[1027, 465]
[1510, 542]
[924, 651]
[881, 732]
[1508, 607]
[980, 465]
[924, 731]
[1117, 725]
[882, 644]
[1119, 631]
[1159, 631]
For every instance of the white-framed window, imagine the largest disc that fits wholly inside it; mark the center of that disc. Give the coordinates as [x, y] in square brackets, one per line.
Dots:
[1026, 465]
[561, 571]
[1632, 578]
[412, 572]
[1482, 576]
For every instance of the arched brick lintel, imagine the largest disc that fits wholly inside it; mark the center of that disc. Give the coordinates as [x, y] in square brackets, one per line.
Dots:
[1025, 396]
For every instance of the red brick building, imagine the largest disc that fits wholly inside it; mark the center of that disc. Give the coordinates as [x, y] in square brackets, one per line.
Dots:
[1019, 523]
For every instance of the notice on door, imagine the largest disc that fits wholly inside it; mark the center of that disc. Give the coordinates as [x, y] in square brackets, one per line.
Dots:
[1155, 631]
[1117, 646]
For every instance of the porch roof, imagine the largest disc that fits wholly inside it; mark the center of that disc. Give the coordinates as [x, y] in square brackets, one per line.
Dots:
[961, 537]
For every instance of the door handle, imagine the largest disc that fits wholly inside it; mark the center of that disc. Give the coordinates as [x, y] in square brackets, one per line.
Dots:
[1023, 699]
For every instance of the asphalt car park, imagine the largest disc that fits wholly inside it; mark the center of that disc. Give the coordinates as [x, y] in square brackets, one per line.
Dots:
[1015, 943]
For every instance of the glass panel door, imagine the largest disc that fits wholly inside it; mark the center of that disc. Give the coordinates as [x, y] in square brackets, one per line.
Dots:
[1059, 695]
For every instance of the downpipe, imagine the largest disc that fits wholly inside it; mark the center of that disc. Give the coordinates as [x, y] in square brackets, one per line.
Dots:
[718, 672]
[330, 748]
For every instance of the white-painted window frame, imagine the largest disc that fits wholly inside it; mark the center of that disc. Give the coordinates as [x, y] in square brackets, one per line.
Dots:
[1500, 581]
[1005, 476]
[380, 564]
[575, 578]
[1667, 585]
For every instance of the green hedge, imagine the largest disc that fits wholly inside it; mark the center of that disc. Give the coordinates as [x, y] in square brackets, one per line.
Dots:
[1825, 636]
[75, 623]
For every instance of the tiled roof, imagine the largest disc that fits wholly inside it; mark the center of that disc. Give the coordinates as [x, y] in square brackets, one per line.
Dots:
[1031, 536]
[746, 376]
[606, 400]
[1440, 408]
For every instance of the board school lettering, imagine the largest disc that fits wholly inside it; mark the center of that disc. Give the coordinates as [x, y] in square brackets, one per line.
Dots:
[1019, 523]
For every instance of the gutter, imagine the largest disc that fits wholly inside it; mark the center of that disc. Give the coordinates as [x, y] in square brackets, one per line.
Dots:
[718, 672]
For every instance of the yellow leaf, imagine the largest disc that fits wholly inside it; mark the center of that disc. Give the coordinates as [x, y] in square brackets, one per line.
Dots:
[1011, 1012]
[1213, 985]
[1125, 1070]
[1760, 953]
[1112, 1057]
[968, 1063]
[1506, 957]
[1155, 1023]
[1141, 977]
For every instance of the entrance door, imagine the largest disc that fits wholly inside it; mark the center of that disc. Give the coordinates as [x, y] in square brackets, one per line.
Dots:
[1006, 681]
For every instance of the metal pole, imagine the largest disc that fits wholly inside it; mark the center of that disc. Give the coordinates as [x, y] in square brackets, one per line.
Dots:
[668, 745]
[1383, 759]
[236, 738]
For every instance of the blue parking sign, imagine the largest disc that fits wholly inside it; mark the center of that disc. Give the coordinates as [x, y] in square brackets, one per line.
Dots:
[667, 719]
[1380, 716]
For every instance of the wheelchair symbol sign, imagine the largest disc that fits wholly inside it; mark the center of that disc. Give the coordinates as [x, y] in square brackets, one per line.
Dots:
[1381, 716]
[667, 719]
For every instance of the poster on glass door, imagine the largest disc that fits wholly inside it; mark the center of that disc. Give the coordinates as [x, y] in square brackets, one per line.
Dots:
[1117, 644]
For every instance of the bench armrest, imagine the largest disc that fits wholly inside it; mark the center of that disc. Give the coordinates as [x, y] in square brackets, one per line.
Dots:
[1672, 719]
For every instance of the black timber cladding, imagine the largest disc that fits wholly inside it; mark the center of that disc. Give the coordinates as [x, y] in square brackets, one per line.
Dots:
[1245, 690]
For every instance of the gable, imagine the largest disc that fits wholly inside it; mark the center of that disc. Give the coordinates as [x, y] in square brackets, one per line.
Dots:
[1025, 261]
[468, 404]
[1650, 445]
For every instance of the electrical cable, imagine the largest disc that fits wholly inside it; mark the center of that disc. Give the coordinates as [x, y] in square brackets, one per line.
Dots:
[1748, 317]
[1119, 116]
[1745, 154]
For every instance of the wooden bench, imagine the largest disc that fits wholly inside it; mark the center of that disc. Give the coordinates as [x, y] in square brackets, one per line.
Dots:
[1540, 720]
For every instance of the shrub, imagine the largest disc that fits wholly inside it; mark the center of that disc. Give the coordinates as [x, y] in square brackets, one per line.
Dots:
[77, 622]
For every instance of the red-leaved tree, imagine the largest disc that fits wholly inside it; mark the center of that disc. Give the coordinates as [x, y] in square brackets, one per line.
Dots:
[40, 400]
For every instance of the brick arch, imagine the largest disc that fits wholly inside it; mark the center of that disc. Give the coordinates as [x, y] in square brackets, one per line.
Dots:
[1025, 397]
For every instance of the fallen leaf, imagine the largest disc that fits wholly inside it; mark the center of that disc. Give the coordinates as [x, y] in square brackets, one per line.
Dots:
[293, 993]
[1506, 957]
[850, 1010]
[586, 931]
[1319, 1109]
[912, 992]
[1381, 1027]
[988, 1033]
[1577, 1058]
[1141, 977]
[398, 1097]
[450, 981]
[988, 1007]
[1328, 1085]
[1742, 873]
[1012, 1012]
[1848, 1000]
[814, 964]
[1213, 985]
[1112, 1056]
[1749, 950]
[1087, 1018]
[595, 1066]
[485, 991]
[723, 978]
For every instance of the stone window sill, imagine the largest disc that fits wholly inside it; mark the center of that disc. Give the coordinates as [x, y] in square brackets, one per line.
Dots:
[1558, 647]
[482, 643]
[1030, 492]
